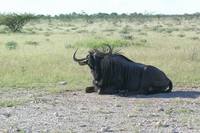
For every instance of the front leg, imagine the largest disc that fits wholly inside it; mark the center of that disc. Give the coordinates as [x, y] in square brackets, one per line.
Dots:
[93, 88]
[108, 90]
[90, 89]
[96, 84]
[123, 92]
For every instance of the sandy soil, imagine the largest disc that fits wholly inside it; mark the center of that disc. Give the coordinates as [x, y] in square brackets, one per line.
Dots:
[78, 112]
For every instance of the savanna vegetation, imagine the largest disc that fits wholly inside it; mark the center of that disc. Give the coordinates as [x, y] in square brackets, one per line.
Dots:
[38, 52]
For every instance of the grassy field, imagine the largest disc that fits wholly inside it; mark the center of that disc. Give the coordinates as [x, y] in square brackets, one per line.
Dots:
[42, 54]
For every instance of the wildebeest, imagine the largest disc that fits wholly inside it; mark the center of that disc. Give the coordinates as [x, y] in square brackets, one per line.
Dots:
[114, 73]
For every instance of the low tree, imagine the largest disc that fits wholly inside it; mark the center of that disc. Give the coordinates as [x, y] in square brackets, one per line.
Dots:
[15, 22]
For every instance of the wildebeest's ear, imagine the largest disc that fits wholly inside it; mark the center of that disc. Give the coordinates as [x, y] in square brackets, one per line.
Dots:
[90, 53]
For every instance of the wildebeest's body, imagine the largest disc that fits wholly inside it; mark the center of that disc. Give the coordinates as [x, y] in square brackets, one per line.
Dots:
[115, 73]
[118, 73]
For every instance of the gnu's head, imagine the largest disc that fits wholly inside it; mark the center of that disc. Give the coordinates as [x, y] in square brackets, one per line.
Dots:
[93, 58]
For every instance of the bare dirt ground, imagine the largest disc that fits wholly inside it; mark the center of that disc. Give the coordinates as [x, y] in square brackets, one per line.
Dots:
[79, 112]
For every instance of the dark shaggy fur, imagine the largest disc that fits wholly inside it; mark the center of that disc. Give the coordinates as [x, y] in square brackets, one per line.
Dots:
[114, 73]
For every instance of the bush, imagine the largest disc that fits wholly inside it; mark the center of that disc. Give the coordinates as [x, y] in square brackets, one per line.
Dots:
[15, 22]
[126, 30]
[181, 35]
[98, 43]
[11, 45]
[34, 43]
[127, 36]
[195, 38]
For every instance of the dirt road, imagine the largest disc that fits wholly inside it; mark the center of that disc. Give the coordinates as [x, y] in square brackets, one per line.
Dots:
[79, 112]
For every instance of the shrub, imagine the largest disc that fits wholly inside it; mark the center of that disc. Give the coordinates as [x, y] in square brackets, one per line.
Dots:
[143, 33]
[82, 31]
[97, 43]
[127, 36]
[181, 35]
[126, 29]
[166, 30]
[11, 45]
[74, 28]
[34, 43]
[47, 34]
[109, 30]
[195, 38]
[4, 29]
[143, 41]
[15, 22]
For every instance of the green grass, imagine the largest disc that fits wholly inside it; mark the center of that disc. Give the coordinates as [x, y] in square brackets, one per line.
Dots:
[165, 46]
[11, 45]
[99, 43]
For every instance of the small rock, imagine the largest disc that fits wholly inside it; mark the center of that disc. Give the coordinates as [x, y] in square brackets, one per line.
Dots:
[158, 124]
[38, 107]
[118, 105]
[83, 108]
[173, 120]
[56, 114]
[19, 130]
[122, 129]
[28, 130]
[62, 83]
[46, 130]
[106, 129]
[154, 115]
[14, 130]
[140, 109]
[75, 94]
[165, 124]
[110, 112]
[131, 115]
[161, 109]
[83, 125]
[174, 131]
[7, 115]
[106, 112]
[4, 130]
[190, 128]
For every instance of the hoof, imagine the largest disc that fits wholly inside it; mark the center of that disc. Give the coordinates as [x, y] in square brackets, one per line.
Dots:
[90, 89]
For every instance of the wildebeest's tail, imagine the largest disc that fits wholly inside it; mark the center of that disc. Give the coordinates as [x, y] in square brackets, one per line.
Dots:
[169, 89]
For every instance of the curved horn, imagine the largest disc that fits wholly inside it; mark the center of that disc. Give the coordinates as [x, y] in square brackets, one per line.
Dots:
[77, 60]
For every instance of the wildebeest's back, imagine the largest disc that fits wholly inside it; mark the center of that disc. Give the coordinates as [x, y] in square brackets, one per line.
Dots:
[156, 76]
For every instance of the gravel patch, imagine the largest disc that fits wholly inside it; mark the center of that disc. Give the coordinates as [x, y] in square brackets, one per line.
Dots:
[79, 112]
